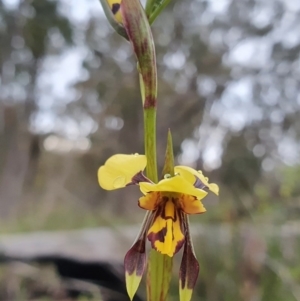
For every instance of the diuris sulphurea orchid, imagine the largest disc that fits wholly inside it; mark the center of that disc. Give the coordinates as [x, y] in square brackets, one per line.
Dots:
[168, 203]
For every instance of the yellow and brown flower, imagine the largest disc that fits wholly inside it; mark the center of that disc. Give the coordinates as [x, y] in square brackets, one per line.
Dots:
[168, 203]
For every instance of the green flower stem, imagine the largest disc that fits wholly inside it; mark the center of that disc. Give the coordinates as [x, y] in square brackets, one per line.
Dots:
[150, 142]
[149, 134]
[159, 276]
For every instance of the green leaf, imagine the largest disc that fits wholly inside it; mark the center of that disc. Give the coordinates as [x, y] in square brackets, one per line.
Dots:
[169, 157]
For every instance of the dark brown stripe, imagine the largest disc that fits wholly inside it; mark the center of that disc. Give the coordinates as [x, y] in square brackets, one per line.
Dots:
[135, 259]
[115, 8]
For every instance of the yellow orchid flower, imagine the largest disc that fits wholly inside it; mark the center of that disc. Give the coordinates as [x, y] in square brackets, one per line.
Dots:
[168, 203]
[168, 199]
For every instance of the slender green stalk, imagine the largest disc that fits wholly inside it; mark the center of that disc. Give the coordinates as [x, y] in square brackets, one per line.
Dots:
[159, 276]
[149, 134]
[150, 142]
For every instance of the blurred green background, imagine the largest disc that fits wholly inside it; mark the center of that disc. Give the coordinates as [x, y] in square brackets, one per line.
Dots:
[229, 80]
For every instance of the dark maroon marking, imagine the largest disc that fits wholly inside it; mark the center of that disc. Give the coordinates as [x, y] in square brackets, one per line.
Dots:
[161, 211]
[141, 49]
[115, 8]
[135, 259]
[189, 268]
[179, 245]
[160, 236]
[199, 184]
[137, 178]
[183, 230]
[150, 102]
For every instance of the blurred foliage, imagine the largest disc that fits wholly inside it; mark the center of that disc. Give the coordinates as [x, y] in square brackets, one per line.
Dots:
[228, 88]
[21, 281]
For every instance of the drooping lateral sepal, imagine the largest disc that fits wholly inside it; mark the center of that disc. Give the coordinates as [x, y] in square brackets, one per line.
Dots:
[189, 268]
[139, 32]
[135, 259]
[134, 263]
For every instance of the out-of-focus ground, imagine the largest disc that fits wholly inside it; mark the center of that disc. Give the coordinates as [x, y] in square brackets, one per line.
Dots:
[229, 80]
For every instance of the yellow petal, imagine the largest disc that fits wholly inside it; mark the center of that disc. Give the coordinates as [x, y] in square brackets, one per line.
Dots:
[119, 169]
[214, 188]
[191, 205]
[189, 174]
[185, 294]
[149, 201]
[174, 184]
[166, 233]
